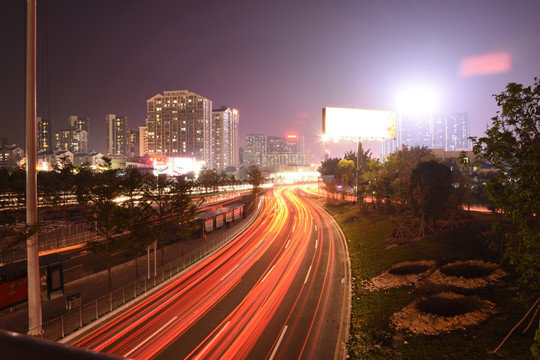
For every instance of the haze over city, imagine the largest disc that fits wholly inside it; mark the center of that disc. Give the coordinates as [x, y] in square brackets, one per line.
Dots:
[278, 62]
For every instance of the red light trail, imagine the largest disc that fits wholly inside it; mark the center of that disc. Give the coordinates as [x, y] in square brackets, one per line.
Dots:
[280, 290]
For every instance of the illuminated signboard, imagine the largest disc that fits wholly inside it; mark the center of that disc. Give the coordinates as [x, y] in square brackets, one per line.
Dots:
[359, 123]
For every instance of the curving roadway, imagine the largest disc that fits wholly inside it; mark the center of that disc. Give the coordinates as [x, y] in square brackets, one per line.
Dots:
[281, 290]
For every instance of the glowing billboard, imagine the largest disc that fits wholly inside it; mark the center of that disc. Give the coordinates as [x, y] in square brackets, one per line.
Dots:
[358, 123]
[175, 165]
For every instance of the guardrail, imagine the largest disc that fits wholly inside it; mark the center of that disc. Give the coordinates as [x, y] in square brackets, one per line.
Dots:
[61, 235]
[87, 313]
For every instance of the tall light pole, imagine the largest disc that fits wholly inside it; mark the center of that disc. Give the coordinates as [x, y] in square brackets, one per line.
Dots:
[32, 246]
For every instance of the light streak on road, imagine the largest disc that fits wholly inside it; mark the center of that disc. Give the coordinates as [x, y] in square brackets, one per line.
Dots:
[239, 302]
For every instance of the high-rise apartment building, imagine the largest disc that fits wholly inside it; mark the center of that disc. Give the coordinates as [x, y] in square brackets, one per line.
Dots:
[457, 132]
[72, 140]
[45, 134]
[256, 146]
[294, 144]
[143, 140]
[179, 124]
[78, 122]
[414, 130]
[277, 151]
[435, 131]
[225, 137]
[134, 145]
[276, 145]
[117, 135]
[251, 155]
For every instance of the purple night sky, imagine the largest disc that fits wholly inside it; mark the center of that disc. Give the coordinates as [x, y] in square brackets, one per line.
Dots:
[278, 62]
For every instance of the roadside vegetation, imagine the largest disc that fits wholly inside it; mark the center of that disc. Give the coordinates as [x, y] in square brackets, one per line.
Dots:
[372, 335]
[417, 212]
[127, 208]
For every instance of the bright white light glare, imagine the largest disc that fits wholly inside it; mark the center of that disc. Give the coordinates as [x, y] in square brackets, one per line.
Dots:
[347, 123]
[417, 101]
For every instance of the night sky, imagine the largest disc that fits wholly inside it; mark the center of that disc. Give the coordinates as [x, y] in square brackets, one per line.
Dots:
[278, 62]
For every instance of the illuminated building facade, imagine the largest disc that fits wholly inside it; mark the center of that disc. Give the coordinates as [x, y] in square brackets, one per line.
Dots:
[78, 122]
[292, 159]
[45, 134]
[274, 150]
[434, 131]
[117, 138]
[134, 146]
[143, 140]
[179, 124]
[251, 155]
[457, 132]
[259, 140]
[71, 139]
[225, 138]
[295, 144]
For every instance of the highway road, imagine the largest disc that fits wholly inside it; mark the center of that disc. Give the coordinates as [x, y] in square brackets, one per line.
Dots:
[279, 291]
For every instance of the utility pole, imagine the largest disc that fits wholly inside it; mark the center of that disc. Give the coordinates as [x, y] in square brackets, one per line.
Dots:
[32, 246]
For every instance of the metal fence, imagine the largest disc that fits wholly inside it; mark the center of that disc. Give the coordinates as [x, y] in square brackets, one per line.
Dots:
[54, 236]
[59, 235]
[85, 314]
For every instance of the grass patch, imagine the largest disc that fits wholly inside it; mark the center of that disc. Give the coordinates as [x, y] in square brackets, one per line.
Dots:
[371, 334]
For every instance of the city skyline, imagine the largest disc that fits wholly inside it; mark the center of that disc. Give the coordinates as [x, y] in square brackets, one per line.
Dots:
[279, 64]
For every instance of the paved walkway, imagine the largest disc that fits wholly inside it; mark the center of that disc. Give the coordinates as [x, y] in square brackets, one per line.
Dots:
[96, 285]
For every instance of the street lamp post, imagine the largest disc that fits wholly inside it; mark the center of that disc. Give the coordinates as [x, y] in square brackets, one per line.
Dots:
[32, 246]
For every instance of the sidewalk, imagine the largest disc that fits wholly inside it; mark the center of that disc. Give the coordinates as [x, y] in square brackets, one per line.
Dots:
[96, 285]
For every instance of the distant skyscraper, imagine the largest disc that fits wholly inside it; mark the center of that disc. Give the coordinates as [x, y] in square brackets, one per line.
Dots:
[78, 122]
[143, 140]
[225, 137]
[72, 140]
[180, 124]
[295, 144]
[251, 155]
[414, 130]
[279, 151]
[117, 138]
[435, 131]
[438, 131]
[457, 132]
[258, 140]
[276, 145]
[134, 145]
[45, 134]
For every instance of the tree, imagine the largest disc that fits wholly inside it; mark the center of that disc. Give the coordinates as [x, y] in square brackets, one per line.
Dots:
[107, 217]
[64, 171]
[138, 212]
[397, 171]
[184, 207]
[208, 179]
[374, 183]
[431, 187]
[255, 178]
[345, 174]
[512, 145]
[158, 194]
[329, 167]
[17, 185]
[83, 183]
